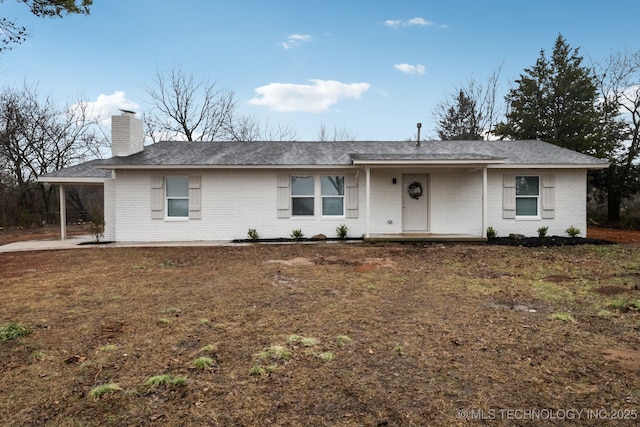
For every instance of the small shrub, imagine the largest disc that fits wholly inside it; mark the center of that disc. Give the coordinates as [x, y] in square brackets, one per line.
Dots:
[96, 229]
[342, 230]
[12, 331]
[491, 232]
[542, 231]
[573, 231]
[253, 234]
[101, 390]
[297, 234]
[203, 362]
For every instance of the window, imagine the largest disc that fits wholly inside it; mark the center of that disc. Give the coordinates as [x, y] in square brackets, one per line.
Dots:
[332, 193]
[302, 195]
[177, 195]
[527, 195]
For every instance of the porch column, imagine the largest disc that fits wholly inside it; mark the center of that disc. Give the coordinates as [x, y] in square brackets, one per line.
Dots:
[63, 213]
[368, 199]
[484, 202]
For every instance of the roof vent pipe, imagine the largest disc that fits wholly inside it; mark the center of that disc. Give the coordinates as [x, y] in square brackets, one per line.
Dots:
[418, 141]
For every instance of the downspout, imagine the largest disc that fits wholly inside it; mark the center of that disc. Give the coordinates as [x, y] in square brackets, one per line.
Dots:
[63, 212]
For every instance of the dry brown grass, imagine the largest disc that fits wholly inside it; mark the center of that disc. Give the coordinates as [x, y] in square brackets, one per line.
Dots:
[400, 334]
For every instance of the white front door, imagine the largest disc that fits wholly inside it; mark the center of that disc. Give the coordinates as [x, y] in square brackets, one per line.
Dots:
[415, 203]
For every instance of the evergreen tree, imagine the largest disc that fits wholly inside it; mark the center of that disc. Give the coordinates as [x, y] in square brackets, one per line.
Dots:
[555, 101]
[459, 121]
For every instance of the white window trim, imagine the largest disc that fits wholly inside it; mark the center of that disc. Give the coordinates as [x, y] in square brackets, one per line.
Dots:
[301, 196]
[317, 198]
[537, 216]
[333, 196]
[166, 199]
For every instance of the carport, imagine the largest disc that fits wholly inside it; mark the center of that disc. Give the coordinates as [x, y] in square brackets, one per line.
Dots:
[82, 174]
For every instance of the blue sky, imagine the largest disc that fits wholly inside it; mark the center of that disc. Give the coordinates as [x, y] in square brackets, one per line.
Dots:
[374, 69]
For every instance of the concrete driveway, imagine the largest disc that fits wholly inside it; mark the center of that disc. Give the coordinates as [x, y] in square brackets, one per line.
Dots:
[81, 242]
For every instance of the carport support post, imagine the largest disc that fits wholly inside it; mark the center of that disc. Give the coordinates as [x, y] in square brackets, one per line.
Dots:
[63, 213]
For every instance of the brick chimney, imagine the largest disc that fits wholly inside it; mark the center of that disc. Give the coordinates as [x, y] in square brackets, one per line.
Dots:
[127, 134]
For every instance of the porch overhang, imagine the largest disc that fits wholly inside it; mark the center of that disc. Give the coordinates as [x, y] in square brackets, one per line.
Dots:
[389, 160]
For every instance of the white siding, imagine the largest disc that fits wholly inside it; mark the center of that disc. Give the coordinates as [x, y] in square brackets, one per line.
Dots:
[456, 202]
[232, 202]
[569, 209]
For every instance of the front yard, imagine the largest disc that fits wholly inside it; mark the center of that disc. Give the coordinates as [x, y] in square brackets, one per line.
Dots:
[322, 334]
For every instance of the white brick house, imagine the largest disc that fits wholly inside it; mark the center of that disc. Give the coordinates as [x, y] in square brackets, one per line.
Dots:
[189, 191]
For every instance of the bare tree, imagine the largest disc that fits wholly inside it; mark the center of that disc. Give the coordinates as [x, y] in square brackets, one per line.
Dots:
[338, 135]
[12, 33]
[185, 108]
[248, 128]
[38, 136]
[470, 111]
[618, 81]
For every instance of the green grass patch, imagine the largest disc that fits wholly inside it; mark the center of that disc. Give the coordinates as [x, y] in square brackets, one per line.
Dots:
[552, 292]
[623, 303]
[104, 389]
[343, 340]
[165, 380]
[108, 347]
[327, 356]
[208, 348]
[13, 331]
[203, 362]
[277, 352]
[257, 371]
[562, 317]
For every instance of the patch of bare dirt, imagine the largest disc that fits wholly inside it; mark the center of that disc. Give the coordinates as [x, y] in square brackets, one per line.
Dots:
[627, 359]
[328, 335]
[614, 235]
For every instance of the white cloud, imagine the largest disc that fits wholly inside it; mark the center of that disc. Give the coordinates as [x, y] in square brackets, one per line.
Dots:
[311, 98]
[393, 23]
[294, 40]
[413, 22]
[107, 105]
[410, 69]
[417, 21]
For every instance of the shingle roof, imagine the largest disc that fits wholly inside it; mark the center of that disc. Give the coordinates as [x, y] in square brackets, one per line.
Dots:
[343, 153]
[251, 154]
[83, 170]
